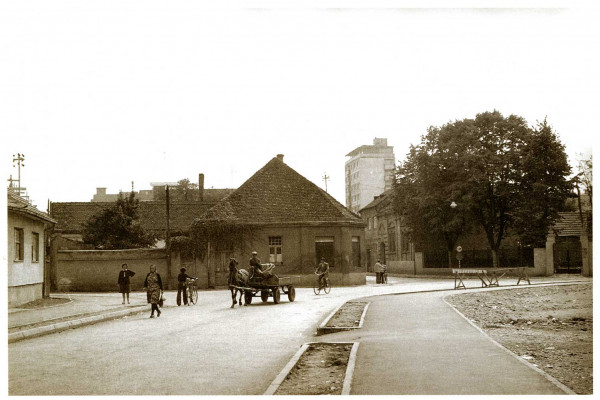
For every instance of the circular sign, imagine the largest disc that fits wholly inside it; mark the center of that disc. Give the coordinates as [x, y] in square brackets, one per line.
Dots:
[459, 248]
[459, 256]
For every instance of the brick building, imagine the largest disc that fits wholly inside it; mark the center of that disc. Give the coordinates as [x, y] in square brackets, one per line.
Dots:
[290, 222]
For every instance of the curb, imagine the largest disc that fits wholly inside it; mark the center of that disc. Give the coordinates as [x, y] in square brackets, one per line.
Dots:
[61, 326]
[323, 329]
[294, 360]
[549, 377]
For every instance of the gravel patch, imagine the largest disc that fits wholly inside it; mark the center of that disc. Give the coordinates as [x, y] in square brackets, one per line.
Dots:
[550, 327]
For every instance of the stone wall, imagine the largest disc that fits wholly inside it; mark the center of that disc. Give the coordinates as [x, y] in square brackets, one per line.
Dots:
[98, 270]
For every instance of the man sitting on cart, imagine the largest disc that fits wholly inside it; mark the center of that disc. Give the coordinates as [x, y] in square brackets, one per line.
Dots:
[323, 272]
[256, 268]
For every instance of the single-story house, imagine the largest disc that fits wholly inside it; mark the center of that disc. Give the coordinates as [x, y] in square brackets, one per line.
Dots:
[28, 276]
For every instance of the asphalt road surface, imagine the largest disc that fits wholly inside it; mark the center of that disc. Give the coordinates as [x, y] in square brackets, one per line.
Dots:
[199, 350]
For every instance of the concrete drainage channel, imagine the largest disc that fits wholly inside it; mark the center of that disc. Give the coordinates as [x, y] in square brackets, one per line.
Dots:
[347, 317]
[324, 367]
[315, 361]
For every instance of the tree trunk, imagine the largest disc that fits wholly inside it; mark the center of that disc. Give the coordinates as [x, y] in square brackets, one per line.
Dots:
[449, 258]
[495, 260]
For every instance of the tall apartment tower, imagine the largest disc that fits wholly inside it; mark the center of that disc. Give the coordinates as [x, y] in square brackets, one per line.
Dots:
[369, 172]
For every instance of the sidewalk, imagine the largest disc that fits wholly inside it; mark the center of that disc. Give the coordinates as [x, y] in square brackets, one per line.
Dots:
[416, 344]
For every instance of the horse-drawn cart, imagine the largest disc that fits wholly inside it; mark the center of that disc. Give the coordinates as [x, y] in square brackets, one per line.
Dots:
[270, 288]
[264, 286]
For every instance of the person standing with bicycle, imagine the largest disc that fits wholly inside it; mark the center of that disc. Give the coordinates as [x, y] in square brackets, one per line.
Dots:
[181, 287]
[323, 271]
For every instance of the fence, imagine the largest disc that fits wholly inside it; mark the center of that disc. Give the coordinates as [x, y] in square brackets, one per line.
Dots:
[508, 257]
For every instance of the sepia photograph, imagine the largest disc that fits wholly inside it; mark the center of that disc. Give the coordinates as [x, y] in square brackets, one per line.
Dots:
[255, 198]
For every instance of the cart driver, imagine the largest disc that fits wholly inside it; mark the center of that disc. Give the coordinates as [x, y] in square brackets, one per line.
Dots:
[255, 266]
[323, 271]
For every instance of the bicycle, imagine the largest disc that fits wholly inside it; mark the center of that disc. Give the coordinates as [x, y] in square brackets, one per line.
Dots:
[192, 290]
[326, 287]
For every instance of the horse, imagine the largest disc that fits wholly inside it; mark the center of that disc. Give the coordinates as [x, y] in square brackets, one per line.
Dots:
[237, 277]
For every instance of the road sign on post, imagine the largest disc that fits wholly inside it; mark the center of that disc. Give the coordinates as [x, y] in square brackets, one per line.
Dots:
[459, 254]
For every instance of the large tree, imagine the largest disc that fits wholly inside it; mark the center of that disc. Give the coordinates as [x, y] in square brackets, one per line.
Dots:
[496, 169]
[543, 187]
[430, 194]
[117, 227]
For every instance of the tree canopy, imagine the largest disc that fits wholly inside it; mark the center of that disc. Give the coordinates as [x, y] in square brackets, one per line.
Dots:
[117, 227]
[500, 173]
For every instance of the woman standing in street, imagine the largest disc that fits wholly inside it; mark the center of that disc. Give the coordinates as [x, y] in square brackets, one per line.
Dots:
[153, 286]
[124, 283]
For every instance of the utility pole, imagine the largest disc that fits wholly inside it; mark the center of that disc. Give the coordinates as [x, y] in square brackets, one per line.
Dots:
[19, 159]
[168, 237]
[325, 178]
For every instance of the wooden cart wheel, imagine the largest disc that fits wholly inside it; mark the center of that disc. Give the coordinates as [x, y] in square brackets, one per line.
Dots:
[291, 293]
[276, 295]
[248, 297]
[264, 295]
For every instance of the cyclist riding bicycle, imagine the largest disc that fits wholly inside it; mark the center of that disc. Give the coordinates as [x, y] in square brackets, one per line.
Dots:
[323, 271]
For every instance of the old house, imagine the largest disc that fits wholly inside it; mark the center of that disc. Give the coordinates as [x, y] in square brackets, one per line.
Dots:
[290, 222]
[385, 238]
[27, 233]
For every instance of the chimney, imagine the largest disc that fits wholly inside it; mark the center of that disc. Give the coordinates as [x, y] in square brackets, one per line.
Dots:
[101, 191]
[200, 187]
[280, 157]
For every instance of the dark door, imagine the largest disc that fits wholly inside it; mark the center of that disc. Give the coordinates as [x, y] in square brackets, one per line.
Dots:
[325, 250]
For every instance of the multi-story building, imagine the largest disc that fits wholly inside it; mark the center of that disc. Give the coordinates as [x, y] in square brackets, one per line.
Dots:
[369, 172]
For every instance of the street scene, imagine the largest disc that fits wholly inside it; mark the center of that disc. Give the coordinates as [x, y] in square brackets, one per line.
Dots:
[265, 200]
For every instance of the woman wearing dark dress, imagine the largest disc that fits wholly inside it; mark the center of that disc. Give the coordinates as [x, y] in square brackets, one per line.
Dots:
[153, 286]
[124, 283]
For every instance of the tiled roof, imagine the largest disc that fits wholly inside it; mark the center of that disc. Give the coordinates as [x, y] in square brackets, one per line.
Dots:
[569, 224]
[18, 204]
[71, 216]
[276, 194]
[383, 200]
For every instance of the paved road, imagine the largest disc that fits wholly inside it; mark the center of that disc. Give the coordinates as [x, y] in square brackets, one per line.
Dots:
[204, 349]
[417, 344]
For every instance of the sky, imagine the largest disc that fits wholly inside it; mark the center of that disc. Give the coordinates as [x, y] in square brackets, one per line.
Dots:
[103, 93]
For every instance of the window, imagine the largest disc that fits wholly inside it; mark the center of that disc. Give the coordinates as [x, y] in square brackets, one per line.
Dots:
[356, 251]
[405, 248]
[392, 240]
[275, 255]
[19, 243]
[35, 247]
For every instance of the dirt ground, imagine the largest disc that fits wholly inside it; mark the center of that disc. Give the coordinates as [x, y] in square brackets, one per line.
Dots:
[348, 315]
[551, 327]
[320, 370]
[41, 303]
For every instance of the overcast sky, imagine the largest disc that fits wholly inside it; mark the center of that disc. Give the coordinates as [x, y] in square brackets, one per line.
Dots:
[102, 93]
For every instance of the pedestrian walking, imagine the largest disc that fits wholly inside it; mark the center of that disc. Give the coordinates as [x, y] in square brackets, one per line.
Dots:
[378, 271]
[124, 283]
[154, 288]
[181, 286]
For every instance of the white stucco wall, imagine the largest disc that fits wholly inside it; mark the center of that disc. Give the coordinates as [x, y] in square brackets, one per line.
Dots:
[25, 272]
